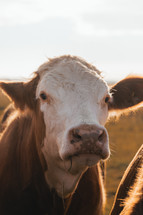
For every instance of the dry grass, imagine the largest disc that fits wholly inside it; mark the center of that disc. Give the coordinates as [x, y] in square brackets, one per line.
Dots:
[125, 138]
[4, 101]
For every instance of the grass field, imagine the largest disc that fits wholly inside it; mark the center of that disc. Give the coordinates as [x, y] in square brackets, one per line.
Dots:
[126, 137]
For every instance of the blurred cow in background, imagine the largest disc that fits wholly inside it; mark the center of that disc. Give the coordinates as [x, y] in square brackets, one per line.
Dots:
[129, 196]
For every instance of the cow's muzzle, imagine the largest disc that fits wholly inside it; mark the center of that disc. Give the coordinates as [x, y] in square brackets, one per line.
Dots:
[89, 139]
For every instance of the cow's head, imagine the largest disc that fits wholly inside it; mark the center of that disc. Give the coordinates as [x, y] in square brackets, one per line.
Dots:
[74, 101]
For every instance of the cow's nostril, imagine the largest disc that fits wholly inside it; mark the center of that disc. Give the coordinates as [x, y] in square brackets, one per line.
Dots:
[101, 136]
[75, 136]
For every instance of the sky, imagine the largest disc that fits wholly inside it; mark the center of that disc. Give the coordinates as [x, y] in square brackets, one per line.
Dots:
[106, 33]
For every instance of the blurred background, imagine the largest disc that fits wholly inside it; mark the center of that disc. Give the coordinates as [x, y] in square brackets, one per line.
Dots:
[108, 34]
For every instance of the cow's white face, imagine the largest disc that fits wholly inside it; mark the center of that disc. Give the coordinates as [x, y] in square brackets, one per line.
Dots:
[73, 102]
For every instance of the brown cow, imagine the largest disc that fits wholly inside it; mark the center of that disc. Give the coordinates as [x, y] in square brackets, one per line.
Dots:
[129, 196]
[51, 147]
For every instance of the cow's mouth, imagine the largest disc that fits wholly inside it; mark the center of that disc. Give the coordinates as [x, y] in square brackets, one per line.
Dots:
[79, 160]
[103, 154]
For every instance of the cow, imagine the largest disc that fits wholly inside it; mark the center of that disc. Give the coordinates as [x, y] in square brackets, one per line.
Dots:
[52, 144]
[129, 196]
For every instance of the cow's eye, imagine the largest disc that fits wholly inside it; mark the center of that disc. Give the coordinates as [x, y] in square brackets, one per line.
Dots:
[107, 99]
[43, 96]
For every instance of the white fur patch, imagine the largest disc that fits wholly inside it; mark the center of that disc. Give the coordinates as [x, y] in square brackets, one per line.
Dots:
[78, 97]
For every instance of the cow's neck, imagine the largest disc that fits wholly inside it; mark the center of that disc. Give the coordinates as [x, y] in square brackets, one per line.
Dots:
[18, 152]
[58, 176]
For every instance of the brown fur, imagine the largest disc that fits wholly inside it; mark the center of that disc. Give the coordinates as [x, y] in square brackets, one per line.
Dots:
[5, 118]
[135, 196]
[22, 164]
[127, 93]
[23, 189]
[129, 196]
[22, 94]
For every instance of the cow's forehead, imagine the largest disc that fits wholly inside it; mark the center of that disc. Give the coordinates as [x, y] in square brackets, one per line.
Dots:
[71, 76]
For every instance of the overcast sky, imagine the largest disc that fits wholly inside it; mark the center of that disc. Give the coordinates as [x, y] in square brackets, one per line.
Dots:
[107, 33]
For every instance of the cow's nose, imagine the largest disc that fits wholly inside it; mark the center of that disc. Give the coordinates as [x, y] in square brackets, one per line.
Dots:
[78, 134]
[90, 139]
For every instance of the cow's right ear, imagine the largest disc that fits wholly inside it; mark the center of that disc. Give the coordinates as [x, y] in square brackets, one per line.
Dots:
[21, 93]
[14, 90]
[126, 93]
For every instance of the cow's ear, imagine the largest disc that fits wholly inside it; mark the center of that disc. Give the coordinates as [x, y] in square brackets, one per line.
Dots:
[127, 93]
[15, 92]
[21, 93]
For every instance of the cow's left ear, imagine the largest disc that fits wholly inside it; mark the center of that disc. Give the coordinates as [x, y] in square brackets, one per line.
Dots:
[127, 93]
[21, 93]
